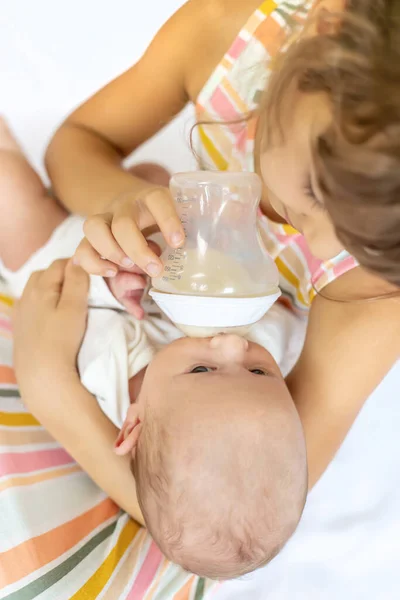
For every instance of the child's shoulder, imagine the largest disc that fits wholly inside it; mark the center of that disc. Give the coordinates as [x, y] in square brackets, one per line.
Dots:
[200, 32]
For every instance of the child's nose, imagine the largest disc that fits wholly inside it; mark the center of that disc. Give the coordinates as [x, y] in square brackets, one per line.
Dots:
[232, 347]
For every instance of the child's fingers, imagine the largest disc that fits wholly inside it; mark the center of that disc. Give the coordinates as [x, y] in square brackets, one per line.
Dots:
[161, 205]
[98, 231]
[91, 261]
[126, 231]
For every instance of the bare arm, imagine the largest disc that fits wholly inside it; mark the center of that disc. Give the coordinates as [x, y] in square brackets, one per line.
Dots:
[49, 324]
[77, 423]
[85, 154]
[84, 157]
[349, 349]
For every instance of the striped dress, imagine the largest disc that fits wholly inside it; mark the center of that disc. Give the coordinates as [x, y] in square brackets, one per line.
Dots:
[234, 90]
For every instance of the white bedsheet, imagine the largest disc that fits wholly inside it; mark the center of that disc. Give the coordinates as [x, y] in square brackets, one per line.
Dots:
[52, 56]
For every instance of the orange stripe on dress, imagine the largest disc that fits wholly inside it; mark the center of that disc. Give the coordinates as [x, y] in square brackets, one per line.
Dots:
[184, 593]
[7, 375]
[14, 482]
[234, 96]
[271, 35]
[17, 563]
[24, 436]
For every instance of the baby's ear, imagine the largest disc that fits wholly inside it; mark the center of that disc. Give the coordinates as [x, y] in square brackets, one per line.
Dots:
[128, 437]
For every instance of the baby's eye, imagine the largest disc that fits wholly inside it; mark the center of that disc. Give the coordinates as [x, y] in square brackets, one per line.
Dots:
[257, 372]
[201, 370]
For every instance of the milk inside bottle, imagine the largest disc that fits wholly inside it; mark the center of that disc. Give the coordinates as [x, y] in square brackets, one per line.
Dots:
[222, 279]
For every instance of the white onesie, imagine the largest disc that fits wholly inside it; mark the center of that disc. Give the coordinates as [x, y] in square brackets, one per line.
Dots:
[117, 346]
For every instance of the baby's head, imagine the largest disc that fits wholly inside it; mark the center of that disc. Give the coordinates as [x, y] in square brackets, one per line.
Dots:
[218, 455]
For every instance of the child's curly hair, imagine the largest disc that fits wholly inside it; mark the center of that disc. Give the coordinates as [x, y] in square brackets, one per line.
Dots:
[356, 61]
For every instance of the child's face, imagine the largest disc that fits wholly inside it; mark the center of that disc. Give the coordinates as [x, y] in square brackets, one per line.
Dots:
[286, 160]
[224, 366]
[287, 170]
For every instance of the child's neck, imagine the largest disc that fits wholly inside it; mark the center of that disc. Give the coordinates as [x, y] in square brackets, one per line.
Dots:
[135, 385]
[358, 284]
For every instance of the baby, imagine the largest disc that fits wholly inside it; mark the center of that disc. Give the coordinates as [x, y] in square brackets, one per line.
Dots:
[217, 447]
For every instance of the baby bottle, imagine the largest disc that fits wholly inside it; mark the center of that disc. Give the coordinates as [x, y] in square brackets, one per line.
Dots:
[222, 279]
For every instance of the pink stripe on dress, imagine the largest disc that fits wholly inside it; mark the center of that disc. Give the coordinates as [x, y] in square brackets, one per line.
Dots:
[226, 110]
[5, 324]
[346, 264]
[146, 574]
[27, 462]
[237, 48]
[314, 264]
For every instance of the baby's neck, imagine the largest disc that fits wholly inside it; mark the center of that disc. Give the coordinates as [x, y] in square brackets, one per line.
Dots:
[135, 385]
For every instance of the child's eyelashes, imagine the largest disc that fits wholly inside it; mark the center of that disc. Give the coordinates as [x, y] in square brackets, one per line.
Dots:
[203, 369]
[258, 372]
[309, 192]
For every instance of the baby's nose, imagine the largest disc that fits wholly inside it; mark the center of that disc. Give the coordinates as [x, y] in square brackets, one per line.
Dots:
[232, 347]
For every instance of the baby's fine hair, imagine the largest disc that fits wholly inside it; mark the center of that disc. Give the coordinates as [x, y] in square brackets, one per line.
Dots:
[222, 505]
[355, 59]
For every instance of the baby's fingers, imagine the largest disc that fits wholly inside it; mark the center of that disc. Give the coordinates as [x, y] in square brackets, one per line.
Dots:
[128, 288]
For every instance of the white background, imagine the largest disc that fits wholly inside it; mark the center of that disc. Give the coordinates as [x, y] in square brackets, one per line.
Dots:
[56, 53]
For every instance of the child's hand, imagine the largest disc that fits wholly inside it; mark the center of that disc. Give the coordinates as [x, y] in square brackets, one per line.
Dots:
[49, 324]
[115, 240]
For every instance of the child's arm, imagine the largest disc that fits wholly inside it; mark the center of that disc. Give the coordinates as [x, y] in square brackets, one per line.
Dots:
[49, 324]
[85, 155]
[348, 351]
[84, 159]
[73, 417]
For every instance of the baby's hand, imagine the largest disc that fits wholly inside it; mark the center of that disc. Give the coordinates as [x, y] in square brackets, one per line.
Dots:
[115, 241]
[128, 286]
